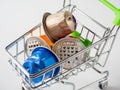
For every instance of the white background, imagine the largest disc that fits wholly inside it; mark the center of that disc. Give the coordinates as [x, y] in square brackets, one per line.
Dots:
[19, 16]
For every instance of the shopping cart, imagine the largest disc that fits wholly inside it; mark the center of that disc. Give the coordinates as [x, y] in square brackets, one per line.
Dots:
[101, 37]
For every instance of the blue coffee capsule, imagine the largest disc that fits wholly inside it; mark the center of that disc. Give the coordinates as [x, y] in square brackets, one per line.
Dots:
[40, 59]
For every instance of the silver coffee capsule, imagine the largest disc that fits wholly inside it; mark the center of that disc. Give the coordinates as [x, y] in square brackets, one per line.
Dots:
[32, 43]
[67, 47]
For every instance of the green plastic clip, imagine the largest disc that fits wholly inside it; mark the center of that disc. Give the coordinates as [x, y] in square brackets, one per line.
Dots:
[115, 10]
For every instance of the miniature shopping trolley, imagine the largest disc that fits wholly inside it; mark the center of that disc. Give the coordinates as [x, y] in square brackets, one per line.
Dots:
[100, 38]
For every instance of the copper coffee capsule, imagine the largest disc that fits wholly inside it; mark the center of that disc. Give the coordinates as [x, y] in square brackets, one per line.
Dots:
[67, 47]
[58, 25]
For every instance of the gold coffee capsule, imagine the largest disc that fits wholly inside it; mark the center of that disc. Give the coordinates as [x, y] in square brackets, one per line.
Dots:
[58, 25]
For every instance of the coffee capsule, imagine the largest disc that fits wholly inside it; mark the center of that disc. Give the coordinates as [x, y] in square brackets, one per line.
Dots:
[67, 47]
[47, 40]
[40, 59]
[32, 43]
[58, 25]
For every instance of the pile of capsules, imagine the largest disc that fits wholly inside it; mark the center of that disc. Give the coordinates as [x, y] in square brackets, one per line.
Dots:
[61, 40]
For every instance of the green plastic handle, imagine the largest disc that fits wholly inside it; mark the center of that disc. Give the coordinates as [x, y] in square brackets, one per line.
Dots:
[115, 10]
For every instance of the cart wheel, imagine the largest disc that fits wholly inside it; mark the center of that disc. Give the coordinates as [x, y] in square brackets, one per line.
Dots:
[23, 88]
[103, 84]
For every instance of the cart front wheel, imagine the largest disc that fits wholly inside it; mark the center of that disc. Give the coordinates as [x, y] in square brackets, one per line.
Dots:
[103, 84]
[23, 88]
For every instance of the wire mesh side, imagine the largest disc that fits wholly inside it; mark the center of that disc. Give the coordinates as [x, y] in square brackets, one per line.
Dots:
[94, 51]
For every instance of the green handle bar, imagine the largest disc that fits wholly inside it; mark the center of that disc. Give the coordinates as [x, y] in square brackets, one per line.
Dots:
[115, 10]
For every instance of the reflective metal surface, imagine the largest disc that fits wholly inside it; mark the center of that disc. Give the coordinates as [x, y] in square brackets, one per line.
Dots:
[67, 47]
[32, 43]
[58, 25]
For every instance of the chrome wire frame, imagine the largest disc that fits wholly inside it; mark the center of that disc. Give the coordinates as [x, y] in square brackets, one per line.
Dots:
[91, 61]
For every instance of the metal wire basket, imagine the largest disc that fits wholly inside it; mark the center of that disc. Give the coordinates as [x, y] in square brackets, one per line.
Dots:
[90, 29]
